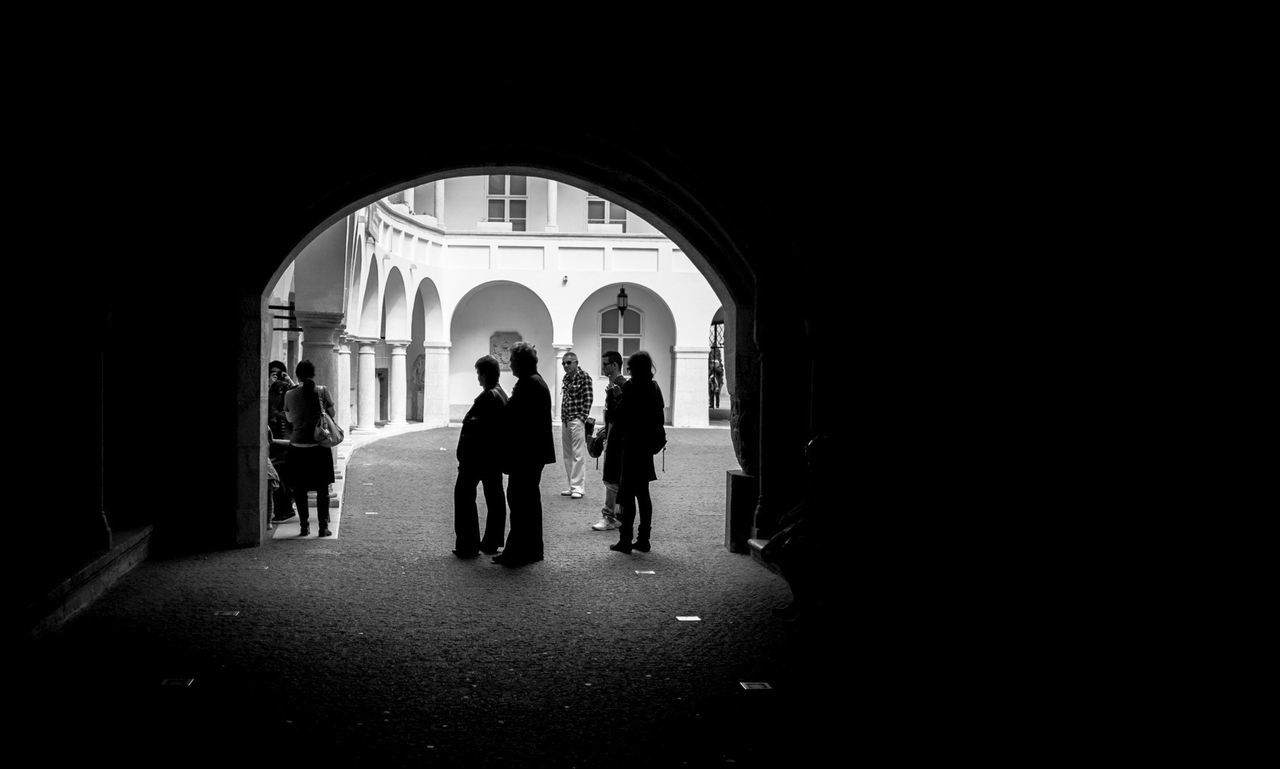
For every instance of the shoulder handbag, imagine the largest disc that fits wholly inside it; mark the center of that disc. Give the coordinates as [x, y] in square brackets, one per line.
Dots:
[327, 433]
[595, 447]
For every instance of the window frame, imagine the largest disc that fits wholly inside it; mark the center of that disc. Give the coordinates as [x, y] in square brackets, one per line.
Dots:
[609, 208]
[507, 198]
[620, 336]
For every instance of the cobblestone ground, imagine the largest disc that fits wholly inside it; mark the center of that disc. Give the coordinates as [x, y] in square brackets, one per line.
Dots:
[380, 648]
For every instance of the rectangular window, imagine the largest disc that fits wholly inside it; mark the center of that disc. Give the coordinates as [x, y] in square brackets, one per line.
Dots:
[508, 200]
[628, 341]
[600, 211]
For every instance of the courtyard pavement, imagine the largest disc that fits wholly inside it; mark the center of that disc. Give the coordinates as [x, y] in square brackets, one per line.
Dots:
[379, 648]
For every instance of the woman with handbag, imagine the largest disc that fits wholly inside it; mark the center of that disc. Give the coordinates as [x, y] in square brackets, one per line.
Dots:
[638, 432]
[310, 462]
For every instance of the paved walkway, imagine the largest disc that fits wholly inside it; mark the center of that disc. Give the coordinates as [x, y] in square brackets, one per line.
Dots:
[379, 648]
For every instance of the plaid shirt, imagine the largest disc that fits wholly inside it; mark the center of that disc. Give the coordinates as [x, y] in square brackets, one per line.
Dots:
[576, 396]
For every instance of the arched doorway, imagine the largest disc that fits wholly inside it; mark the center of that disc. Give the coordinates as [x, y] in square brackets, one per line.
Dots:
[726, 271]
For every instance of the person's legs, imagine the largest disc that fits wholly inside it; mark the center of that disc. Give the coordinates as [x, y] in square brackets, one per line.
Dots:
[578, 466]
[517, 500]
[322, 509]
[566, 452]
[282, 502]
[304, 514]
[496, 517]
[644, 505]
[627, 499]
[466, 518]
[533, 520]
[610, 500]
[524, 542]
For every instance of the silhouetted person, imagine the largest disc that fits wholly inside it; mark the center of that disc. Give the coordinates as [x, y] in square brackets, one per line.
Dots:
[527, 447]
[636, 431]
[310, 465]
[480, 461]
[611, 367]
[279, 433]
[715, 383]
[805, 544]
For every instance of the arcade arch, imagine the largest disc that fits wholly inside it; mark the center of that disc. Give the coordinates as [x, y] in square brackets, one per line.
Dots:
[493, 315]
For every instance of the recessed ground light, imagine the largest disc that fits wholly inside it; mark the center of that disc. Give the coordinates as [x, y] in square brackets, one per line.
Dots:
[227, 613]
[177, 682]
[370, 513]
[689, 619]
[645, 572]
[754, 685]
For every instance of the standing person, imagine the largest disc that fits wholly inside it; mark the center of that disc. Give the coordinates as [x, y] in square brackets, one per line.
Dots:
[528, 447]
[611, 367]
[279, 432]
[310, 465]
[715, 383]
[637, 427]
[575, 406]
[479, 461]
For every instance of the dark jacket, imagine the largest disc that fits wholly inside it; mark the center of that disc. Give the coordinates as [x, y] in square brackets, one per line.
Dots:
[612, 459]
[526, 439]
[480, 443]
[634, 429]
[276, 420]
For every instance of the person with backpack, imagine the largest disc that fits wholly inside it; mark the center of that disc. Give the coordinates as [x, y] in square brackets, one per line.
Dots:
[639, 433]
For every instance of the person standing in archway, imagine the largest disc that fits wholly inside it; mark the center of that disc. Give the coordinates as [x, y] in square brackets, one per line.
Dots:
[611, 367]
[638, 428]
[528, 447]
[279, 432]
[479, 462]
[575, 407]
[310, 464]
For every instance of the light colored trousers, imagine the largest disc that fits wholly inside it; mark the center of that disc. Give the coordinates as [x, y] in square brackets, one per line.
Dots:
[573, 438]
[610, 500]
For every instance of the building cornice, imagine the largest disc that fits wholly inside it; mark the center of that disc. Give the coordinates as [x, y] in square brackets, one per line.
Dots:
[406, 219]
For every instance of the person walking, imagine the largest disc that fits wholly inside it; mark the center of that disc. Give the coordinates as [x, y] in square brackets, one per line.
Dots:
[638, 428]
[527, 448]
[479, 462]
[310, 465]
[575, 406]
[611, 367]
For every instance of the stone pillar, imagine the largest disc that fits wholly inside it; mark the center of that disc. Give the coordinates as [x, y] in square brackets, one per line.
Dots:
[688, 398]
[408, 200]
[399, 389]
[367, 387]
[318, 332]
[435, 384]
[440, 202]
[343, 394]
[557, 377]
[553, 214]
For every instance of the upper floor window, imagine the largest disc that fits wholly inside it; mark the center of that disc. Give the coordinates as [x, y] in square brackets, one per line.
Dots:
[601, 211]
[509, 200]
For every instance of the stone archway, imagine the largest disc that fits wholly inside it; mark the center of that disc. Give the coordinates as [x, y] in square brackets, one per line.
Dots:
[697, 234]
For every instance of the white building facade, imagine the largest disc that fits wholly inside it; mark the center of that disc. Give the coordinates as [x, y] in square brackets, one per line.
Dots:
[438, 275]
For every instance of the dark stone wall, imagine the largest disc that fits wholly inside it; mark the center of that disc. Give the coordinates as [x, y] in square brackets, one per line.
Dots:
[204, 208]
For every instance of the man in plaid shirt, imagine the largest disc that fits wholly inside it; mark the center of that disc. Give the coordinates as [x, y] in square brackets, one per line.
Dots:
[575, 405]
